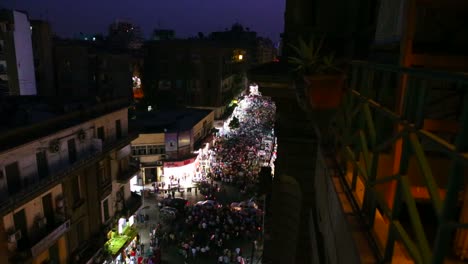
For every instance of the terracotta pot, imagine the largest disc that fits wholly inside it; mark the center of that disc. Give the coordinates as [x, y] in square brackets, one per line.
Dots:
[325, 91]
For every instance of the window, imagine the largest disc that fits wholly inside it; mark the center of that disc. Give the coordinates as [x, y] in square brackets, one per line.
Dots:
[75, 189]
[163, 150]
[103, 176]
[71, 150]
[42, 166]
[118, 129]
[123, 165]
[141, 150]
[105, 209]
[13, 177]
[153, 149]
[100, 133]
[134, 151]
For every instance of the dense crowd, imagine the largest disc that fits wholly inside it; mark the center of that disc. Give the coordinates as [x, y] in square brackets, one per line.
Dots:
[235, 155]
[207, 231]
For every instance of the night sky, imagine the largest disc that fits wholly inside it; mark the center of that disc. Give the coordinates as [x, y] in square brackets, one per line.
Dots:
[187, 17]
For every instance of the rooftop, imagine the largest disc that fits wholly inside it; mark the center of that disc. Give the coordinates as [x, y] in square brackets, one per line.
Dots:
[169, 120]
[26, 118]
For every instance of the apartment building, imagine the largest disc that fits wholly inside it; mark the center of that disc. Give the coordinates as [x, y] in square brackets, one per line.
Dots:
[64, 177]
[17, 76]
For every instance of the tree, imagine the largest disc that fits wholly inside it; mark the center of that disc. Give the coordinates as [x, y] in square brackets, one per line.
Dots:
[234, 123]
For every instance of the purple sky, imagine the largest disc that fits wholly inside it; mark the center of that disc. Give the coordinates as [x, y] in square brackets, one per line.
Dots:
[187, 17]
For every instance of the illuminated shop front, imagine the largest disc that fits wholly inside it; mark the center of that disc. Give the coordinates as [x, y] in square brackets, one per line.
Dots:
[180, 172]
[119, 239]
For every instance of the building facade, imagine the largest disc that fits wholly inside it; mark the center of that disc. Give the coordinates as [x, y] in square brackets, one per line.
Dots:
[187, 72]
[83, 69]
[167, 141]
[17, 76]
[43, 59]
[62, 188]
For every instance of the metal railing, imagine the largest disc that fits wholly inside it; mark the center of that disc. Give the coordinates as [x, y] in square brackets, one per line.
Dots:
[32, 191]
[386, 113]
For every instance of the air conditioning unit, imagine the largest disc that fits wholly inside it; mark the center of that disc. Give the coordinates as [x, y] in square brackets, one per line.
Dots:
[54, 146]
[42, 222]
[15, 236]
[163, 156]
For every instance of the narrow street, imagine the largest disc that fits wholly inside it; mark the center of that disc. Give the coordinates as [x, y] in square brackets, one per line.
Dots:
[170, 253]
[225, 226]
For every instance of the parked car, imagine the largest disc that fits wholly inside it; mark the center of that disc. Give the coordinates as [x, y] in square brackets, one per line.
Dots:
[177, 203]
[208, 204]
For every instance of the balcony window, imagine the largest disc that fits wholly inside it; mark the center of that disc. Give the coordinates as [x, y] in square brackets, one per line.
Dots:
[13, 178]
[100, 133]
[75, 188]
[118, 129]
[71, 151]
[19, 218]
[42, 165]
[103, 176]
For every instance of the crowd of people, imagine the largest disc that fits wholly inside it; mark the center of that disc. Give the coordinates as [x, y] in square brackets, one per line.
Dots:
[209, 231]
[235, 154]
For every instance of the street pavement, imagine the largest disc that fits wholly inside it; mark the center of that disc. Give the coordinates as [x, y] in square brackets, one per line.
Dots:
[169, 252]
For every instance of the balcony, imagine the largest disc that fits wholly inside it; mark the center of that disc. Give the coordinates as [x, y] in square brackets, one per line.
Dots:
[52, 236]
[124, 177]
[42, 186]
[42, 239]
[399, 167]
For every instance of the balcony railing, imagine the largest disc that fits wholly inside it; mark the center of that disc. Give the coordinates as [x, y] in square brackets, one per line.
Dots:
[42, 239]
[51, 237]
[124, 177]
[401, 136]
[43, 185]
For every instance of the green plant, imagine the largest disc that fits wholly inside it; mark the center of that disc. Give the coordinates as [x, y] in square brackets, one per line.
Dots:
[309, 60]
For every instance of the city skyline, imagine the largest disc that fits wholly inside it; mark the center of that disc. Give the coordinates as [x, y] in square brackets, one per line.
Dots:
[186, 17]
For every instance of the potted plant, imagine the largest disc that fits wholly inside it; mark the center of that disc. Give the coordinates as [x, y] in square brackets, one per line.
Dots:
[324, 80]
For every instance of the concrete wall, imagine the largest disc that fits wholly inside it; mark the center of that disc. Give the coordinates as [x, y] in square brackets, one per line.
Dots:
[338, 242]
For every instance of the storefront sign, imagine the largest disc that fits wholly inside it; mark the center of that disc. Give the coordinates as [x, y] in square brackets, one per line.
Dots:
[171, 164]
[50, 239]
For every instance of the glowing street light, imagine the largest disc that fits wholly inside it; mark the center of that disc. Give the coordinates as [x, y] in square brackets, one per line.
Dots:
[240, 57]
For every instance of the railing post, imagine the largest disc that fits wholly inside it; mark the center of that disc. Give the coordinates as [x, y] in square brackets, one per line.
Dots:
[445, 234]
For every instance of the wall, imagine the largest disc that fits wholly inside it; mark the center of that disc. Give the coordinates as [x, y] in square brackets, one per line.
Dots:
[24, 54]
[338, 241]
[198, 128]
